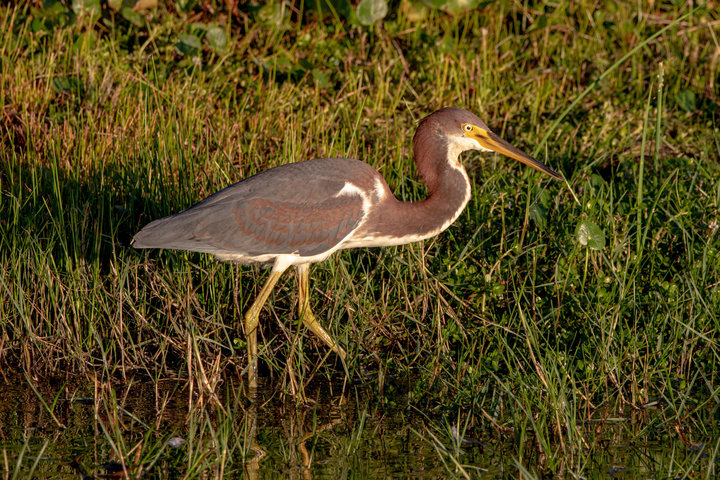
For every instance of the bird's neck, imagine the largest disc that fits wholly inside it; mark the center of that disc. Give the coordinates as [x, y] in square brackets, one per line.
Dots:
[449, 191]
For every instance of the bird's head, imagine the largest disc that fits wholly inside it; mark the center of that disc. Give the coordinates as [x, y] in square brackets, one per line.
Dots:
[464, 131]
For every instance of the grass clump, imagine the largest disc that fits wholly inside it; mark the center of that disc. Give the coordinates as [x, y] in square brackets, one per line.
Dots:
[545, 307]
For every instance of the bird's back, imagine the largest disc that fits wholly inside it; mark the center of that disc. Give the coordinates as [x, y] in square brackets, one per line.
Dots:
[304, 209]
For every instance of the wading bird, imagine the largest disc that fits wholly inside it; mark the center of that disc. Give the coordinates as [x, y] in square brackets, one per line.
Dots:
[300, 213]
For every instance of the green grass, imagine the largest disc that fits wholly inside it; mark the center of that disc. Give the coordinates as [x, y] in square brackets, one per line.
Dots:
[506, 317]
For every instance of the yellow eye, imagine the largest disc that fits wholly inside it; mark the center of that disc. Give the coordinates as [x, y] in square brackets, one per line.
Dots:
[468, 128]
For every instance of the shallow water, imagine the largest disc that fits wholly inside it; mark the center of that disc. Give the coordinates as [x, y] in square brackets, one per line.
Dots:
[96, 431]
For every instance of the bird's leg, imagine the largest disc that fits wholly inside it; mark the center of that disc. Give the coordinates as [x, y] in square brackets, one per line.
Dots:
[251, 325]
[303, 281]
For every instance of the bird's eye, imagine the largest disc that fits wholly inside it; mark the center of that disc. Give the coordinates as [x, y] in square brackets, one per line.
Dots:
[468, 128]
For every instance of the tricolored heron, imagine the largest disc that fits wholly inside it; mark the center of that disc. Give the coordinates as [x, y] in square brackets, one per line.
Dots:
[300, 213]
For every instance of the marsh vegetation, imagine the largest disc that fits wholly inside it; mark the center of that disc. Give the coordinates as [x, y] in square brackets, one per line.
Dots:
[550, 331]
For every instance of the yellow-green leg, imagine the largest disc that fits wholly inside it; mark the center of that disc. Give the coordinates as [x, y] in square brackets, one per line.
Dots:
[303, 281]
[251, 324]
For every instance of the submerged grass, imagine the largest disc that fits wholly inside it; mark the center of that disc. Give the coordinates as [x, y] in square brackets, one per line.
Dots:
[512, 317]
[120, 431]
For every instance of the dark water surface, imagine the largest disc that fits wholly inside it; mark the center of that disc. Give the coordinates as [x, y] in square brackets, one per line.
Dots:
[141, 429]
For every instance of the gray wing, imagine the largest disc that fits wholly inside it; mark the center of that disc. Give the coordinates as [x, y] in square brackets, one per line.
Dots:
[302, 208]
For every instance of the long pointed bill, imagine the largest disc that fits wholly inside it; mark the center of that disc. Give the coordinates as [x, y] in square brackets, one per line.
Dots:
[489, 140]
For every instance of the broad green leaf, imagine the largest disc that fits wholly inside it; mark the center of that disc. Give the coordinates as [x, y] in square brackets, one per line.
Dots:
[87, 7]
[145, 5]
[132, 16]
[320, 78]
[590, 235]
[686, 100]
[370, 11]
[185, 5]
[272, 13]
[542, 21]
[52, 14]
[447, 45]
[415, 11]
[457, 6]
[66, 84]
[342, 7]
[188, 45]
[538, 214]
[216, 38]
[37, 25]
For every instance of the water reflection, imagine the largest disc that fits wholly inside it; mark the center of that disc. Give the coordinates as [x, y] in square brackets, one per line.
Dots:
[158, 430]
[300, 435]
